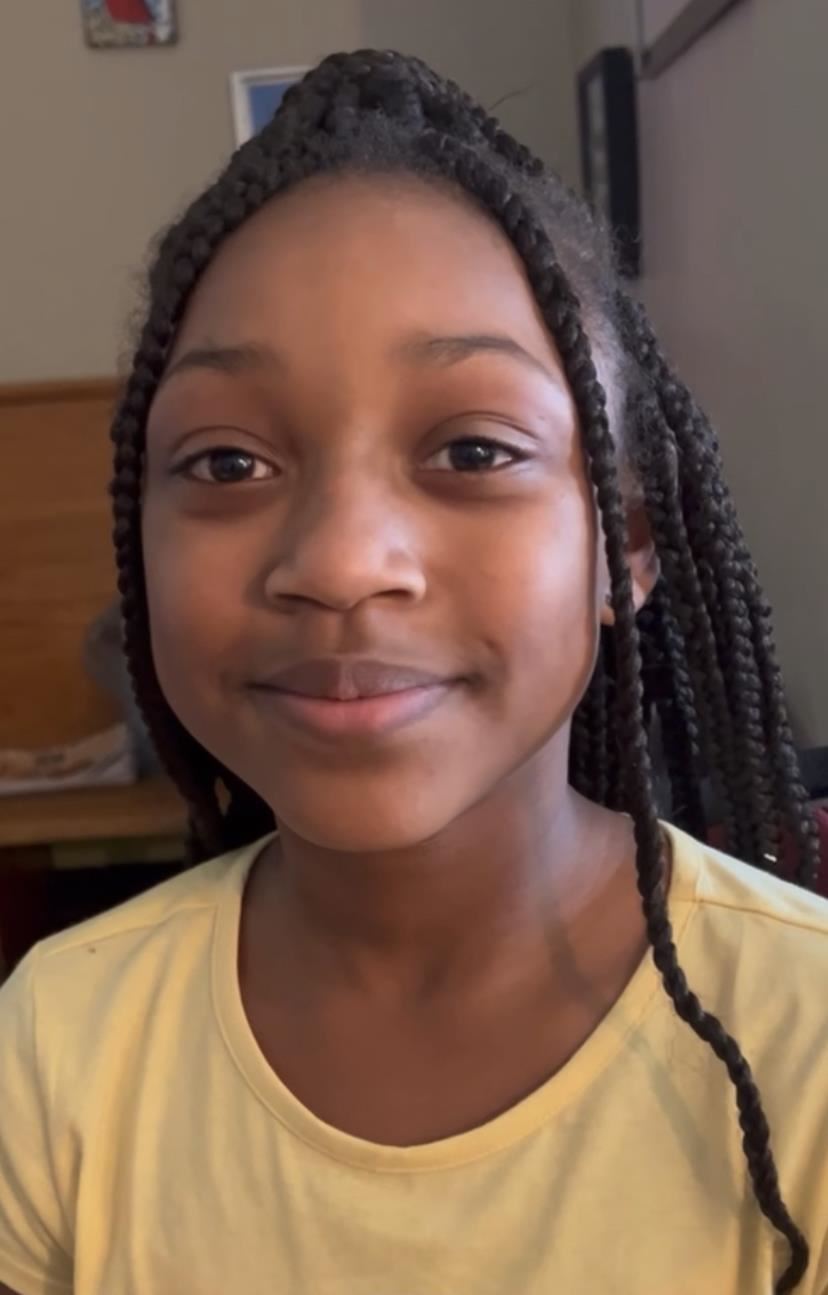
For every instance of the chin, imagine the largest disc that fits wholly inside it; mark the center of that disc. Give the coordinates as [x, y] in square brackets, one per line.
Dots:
[363, 825]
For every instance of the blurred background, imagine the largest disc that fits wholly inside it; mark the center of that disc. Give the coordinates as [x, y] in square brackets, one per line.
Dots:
[101, 145]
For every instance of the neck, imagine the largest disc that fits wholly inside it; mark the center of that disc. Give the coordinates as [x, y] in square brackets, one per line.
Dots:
[530, 860]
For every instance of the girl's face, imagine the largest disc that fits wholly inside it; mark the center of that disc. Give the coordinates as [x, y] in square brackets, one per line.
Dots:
[365, 450]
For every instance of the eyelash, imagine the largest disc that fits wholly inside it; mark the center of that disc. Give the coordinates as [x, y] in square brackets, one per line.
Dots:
[498, 447]
[187, 466]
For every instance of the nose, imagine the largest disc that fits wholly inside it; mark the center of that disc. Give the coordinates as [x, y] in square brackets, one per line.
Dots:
[346, 544]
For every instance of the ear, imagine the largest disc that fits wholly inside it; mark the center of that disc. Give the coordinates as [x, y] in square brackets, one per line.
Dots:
[642, 561]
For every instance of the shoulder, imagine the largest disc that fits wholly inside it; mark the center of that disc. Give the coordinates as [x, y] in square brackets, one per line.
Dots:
[182, 900]
[755, 949]
[69, 984]
[751, 938]
[742, 897]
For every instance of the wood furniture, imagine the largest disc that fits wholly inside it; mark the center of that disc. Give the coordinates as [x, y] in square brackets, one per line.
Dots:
[83, 834]
[56, 563]
[56, 576]
[151, 808]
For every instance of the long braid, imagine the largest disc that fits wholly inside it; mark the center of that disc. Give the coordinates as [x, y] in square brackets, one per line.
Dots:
[383, 112]
[592, 762]
[580, 748]
[183, 758]
[667, 680]
[657, 462]
[727, 620]
[714, 532]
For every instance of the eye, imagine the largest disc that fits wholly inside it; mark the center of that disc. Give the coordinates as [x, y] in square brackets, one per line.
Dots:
[225, 466]
[475, 454]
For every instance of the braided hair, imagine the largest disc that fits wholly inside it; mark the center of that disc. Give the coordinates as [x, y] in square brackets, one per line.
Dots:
[698, 662]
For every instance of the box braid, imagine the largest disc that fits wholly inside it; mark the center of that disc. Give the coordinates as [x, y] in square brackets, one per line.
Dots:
[700, 657]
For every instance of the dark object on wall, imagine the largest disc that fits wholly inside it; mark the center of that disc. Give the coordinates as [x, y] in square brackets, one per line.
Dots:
[697, 17]
[608, 119]
[814, 764]
[129, 24]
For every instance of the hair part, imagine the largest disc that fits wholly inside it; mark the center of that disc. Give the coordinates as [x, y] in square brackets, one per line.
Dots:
[699, 660]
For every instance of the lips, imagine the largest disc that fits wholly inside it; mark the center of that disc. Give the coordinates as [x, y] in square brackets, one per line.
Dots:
[342, 679]
[339, 698]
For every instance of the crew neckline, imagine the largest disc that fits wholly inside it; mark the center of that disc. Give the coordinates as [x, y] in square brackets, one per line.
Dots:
[525, 1117]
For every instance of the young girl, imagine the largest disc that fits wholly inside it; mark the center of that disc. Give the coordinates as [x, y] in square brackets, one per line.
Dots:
[405, 493]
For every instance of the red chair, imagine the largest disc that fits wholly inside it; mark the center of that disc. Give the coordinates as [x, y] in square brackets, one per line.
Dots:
[789, 857]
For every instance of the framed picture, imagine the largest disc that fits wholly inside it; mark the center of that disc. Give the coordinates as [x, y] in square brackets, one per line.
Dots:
[129, 24]
[608, 123]
[669, 27]
[255, 95]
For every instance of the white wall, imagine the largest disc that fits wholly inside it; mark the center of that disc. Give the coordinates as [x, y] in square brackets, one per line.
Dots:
[735, 212]
[100, 147]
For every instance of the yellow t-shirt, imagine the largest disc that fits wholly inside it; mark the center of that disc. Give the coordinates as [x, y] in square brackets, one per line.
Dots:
[146, 1147]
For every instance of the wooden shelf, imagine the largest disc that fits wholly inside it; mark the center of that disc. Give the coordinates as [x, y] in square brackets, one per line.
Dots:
[145, 809]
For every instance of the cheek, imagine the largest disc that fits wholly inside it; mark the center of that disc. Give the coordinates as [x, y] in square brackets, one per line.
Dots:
[542, 592]
[195, 579]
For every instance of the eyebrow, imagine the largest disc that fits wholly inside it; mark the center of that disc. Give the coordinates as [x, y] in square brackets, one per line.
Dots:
[250, 357]
[456, 349]
[247, 357]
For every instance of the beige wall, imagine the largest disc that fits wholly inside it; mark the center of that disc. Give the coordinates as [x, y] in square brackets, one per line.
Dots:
[495, 48]
[735, 209]
[597, 24]
[100, 148]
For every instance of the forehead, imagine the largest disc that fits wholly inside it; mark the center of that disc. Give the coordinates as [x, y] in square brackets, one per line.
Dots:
[368, 256]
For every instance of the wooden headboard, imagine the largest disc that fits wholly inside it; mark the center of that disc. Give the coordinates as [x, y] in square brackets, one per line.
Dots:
[56, 563]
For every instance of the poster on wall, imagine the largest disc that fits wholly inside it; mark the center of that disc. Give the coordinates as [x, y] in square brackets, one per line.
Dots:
[129, 24]
[669, 27]
[256, 94]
